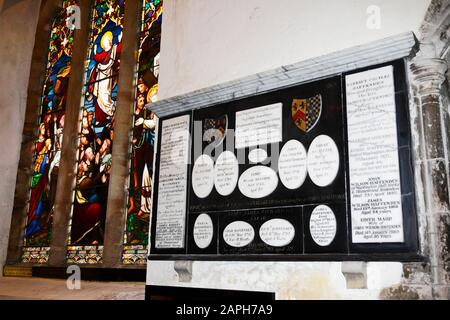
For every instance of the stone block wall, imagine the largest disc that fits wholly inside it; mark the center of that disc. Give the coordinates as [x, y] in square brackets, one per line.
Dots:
[18, 20]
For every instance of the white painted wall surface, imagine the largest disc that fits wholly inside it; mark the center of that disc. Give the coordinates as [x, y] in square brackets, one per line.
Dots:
[289, 280]
[207, 42]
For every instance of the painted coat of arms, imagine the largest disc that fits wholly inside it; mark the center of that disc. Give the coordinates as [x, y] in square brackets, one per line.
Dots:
[306, 112]
[214, 130]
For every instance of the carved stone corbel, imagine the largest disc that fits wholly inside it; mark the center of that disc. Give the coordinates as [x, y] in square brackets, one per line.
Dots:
[184, 270]
[355, 273]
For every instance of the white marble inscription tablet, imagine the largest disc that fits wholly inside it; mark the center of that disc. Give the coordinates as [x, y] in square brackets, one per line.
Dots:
[277, 232]
[202, 176]
[238, 234]
[172, 186]
[259, 126]
[375, 194]
[322, 225]
[226, 173]
[323, 161]
[203, 231]
[257, 155]
[258, 182]
[292, 164]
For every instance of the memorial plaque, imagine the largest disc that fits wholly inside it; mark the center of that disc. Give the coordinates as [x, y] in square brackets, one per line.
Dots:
[320, 170]
[262, 231]
[257, 155]
[322, 225]
[272, 174]
[226, 173]
[202, 234]
[172, 182]
[202, 176]
[323, 161]
[259, 126]
[375, 194]
[325, 228]
[238, 234]
[292, 164]
[277, 232]
[203, 231]
[258, 182]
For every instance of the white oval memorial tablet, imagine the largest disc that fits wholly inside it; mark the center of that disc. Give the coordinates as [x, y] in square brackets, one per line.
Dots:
[257, 155]
[203, 231]
[322, 225]
[226, 173]
[202, 176]
[258, 182]
[238, 234]
[292, 164]
[277, 232]
[323, 161]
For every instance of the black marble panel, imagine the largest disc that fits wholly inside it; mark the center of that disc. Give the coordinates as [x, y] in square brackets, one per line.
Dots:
[256, 218]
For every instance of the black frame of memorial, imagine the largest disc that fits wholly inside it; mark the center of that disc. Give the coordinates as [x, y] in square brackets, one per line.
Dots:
[295, 206]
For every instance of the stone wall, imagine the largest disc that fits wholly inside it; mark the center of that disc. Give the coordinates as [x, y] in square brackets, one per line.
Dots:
[17, 33]
[429, 74]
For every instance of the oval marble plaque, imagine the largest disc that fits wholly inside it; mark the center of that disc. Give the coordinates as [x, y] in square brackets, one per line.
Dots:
[292, 164]
[202, 176]
[323, 161]
[226, 173]
[203, 231]
[258, 182]
[238, 234]
[322, 225]
[277, 232]
[257, 155]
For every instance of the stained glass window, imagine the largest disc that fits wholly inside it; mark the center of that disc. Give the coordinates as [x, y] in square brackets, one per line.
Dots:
[141, 168]
[38, 230]
[96, 133]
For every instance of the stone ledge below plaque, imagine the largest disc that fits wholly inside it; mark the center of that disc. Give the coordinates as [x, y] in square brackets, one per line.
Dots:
[394, 257]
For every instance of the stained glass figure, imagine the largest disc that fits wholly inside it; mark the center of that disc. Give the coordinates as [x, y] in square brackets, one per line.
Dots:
[96, 135]
[139, 204]
[38, 230]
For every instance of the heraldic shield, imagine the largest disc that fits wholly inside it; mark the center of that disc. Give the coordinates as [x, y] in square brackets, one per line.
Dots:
[306, 112]
[214, 130]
